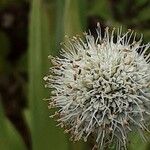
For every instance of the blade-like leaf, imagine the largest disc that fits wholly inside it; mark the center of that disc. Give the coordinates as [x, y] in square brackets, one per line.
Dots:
[72, 22]
[9, 137]
[44, 133]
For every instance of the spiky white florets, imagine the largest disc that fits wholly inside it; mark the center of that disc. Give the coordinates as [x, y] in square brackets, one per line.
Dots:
[102, 87]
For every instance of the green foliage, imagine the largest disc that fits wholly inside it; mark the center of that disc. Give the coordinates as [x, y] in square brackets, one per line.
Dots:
[72, 22]
[43, 130]
[9, 137]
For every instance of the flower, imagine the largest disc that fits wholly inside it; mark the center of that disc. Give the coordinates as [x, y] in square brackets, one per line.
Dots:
[102, 87]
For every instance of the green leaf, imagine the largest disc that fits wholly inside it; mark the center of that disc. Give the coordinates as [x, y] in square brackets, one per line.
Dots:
[9, 137]
[59, 23]
[72, 22]
[45, 135]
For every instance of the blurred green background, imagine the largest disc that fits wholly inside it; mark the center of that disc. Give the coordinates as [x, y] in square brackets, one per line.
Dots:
[30, 30]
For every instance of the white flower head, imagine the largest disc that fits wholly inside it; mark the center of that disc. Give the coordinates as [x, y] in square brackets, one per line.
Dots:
[101, 87]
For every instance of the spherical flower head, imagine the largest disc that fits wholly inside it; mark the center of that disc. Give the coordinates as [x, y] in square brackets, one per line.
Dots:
[101, 87]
